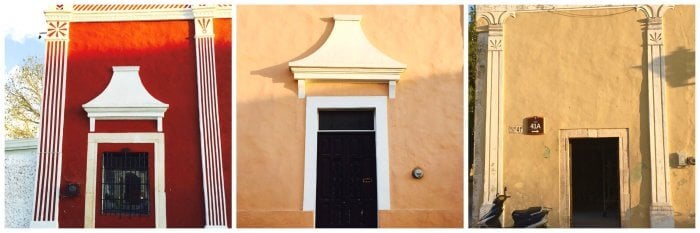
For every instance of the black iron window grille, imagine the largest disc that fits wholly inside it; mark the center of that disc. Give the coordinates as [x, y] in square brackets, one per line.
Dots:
[125, 188]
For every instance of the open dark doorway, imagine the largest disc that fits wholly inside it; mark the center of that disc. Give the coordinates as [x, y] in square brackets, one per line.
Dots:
[595, 182]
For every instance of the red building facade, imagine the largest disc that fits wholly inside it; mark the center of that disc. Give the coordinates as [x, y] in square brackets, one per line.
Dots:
[136, 117]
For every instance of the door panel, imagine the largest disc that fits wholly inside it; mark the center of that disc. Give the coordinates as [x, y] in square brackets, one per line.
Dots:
[346, 190]
[126, 213]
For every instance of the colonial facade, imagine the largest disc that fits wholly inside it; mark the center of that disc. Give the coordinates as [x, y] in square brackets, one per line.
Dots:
[349, 116]
[588, 110]
[135, 121]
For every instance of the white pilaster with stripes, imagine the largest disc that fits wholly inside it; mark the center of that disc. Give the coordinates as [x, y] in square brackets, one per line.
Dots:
[210, 136]
[661, 211]
[48, 169]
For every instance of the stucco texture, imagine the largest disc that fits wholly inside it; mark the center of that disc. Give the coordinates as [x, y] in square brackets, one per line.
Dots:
[425, 120]
[20, 169]
[165, 52]
[590, 73]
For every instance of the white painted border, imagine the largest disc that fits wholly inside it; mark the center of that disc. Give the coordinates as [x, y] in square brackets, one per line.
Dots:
[565, 170]
[378, 103]
[158, 140]
[139, 15]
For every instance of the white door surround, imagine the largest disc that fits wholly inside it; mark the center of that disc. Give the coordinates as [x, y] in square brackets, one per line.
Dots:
[158, 140]
[378, 103]
[565, 170]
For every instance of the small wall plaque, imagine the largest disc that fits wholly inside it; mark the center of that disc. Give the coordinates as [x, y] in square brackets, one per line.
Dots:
[534, 125]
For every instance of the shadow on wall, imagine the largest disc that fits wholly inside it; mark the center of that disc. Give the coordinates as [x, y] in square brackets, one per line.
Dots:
[280, 73]
[680, 67]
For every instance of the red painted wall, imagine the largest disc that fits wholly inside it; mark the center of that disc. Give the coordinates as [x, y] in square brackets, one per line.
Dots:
[165, 52]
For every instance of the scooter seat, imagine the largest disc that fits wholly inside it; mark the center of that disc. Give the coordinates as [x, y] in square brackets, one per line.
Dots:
[527, 212]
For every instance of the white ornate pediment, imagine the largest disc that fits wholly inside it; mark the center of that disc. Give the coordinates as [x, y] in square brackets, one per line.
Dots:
[125, 98]
[347, 55]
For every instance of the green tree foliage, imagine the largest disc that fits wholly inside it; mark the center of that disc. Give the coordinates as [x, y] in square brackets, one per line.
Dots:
[22, 103]
[471, 55]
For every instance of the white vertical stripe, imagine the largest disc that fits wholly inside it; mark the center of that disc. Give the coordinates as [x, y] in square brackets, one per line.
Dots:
[59, 162]
[44, 123]
[215, 142]
[198, 52]
[217, 135]
[207, 124]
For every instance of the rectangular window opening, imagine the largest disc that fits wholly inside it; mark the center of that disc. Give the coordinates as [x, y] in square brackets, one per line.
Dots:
[125, 186]
[351, 119]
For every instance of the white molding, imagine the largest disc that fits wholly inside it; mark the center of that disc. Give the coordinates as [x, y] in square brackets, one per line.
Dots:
[208, 110]
[43, 224]
[45, 200]
[541, 8]
[21, 144]
[158, 140]
[494, 129]
[565, 170]
[347, 55]
[379, 104]
[661, 211]
[134, 15]
[125, 98]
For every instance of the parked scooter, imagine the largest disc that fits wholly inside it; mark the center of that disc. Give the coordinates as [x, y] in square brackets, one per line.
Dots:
[531, 217]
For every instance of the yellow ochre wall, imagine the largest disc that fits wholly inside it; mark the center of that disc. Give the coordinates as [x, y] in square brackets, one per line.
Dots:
[425, 120]
[589, 72]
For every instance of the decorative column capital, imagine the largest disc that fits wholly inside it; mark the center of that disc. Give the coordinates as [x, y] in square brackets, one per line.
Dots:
[57, 21]
[654, 11]
[204, 20]
[495, 14]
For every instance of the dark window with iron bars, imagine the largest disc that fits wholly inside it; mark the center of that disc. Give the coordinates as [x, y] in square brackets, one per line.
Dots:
[125, 187]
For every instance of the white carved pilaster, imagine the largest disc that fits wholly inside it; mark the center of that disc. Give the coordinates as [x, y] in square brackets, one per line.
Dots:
[661, 211]
[48, 174]
[492, 170]
[209, 127]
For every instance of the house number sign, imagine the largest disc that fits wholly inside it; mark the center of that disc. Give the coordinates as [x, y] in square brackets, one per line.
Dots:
[534, 125]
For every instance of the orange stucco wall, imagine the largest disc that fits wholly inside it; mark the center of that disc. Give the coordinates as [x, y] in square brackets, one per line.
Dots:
[425, 120]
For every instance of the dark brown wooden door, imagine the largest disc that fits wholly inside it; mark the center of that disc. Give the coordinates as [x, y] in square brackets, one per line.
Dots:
[346, 190]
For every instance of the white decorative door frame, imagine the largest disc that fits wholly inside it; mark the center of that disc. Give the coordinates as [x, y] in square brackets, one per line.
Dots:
[565, 170]
[378, 103]
[158, 140]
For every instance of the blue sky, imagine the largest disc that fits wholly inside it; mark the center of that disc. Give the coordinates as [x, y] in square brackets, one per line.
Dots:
[20, 29]
[16, 51]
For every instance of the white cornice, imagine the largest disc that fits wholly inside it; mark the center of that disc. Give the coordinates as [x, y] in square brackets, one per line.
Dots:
[536, 8]
[125, 98]
[21, 144]
[347, 55]
[134, 15]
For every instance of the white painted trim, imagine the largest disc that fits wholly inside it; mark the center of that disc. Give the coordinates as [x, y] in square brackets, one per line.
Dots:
[378, 103]
[301, 88]
[565, 170]
[21, 144]
[135, 15]
[125, 98]
[348, 56]
[158, 140]
[541, 8]
[208, 110]
[43, 224]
